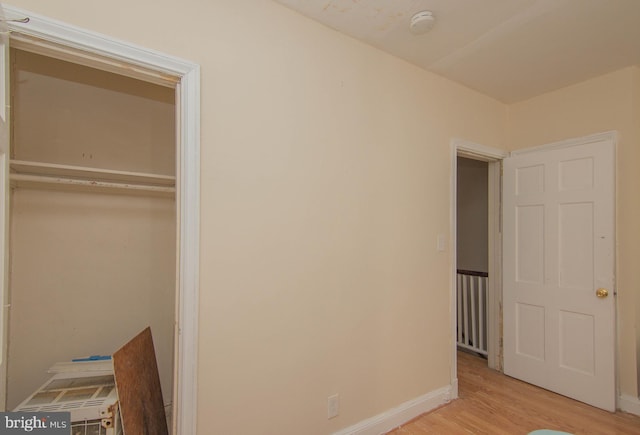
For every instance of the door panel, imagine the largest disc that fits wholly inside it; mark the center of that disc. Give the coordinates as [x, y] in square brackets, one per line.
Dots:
[529, 244]
[558, 245]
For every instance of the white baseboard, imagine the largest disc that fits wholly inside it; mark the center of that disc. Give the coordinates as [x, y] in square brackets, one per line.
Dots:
[395, 417]
[629, 404]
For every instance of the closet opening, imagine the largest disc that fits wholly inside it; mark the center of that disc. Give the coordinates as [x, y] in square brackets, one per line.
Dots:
[134, 188]
[92, 212]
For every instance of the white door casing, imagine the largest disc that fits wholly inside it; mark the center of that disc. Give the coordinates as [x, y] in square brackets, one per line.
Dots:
[558, 246]
[4, 205]
[493, 157]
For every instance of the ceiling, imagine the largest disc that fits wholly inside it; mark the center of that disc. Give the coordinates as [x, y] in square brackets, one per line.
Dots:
[511, 50]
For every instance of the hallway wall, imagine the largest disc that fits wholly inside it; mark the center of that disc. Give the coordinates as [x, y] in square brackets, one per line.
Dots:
[472, 215]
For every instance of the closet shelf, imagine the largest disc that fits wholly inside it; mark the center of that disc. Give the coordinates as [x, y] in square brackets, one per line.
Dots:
[25, 173]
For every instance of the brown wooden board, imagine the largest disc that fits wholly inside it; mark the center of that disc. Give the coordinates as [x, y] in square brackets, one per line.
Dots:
[138, 384]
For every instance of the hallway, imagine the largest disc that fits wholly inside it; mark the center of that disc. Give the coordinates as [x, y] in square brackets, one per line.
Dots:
[492, 403]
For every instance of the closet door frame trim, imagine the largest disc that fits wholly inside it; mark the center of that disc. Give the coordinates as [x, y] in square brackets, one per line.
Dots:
[63, 41]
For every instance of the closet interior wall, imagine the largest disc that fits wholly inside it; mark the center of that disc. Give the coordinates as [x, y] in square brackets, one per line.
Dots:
[89, 267]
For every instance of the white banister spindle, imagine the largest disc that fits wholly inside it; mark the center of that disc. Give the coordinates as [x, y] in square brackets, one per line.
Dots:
[472, 311]
[459, 306]
[481, 313]
[465, 310]
[474, 307]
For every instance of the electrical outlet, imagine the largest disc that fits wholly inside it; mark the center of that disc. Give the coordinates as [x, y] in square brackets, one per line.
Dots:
[333, 406]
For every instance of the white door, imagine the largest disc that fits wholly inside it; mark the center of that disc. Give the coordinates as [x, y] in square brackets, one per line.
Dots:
[558, 247]
[4, 205]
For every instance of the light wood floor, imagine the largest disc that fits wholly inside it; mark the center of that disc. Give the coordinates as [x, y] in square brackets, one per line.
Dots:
[492, 403]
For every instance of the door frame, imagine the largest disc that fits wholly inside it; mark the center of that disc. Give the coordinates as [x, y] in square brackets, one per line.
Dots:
[493, 156]
[67, 42]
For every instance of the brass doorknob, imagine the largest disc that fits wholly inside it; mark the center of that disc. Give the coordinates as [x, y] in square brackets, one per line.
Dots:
[602, 292]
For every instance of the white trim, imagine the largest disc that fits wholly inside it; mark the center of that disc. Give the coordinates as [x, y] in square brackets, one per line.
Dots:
[478, 152]
[494, 236]
[494, 156]
[629, 404]
[188, 183]
[5, 139]
[189, 264]
[584, 140]
[454, 389]
[399, 415]
[91, 48]
[453, 260]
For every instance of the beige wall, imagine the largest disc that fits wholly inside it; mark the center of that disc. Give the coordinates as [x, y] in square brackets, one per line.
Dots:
[609, 102]
[88, 273]
[88, 270]
[69, 114]
[325, 173]
[324, 163]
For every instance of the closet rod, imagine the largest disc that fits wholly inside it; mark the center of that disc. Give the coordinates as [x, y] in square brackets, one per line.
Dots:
[89, 183]
[24, 20]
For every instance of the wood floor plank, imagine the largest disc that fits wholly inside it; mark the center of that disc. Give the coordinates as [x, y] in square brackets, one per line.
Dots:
[492, 403]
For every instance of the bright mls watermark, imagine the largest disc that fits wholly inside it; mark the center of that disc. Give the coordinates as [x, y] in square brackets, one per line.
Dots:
[40, 423]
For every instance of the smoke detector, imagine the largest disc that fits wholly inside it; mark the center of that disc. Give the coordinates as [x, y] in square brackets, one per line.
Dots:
[422, 22]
